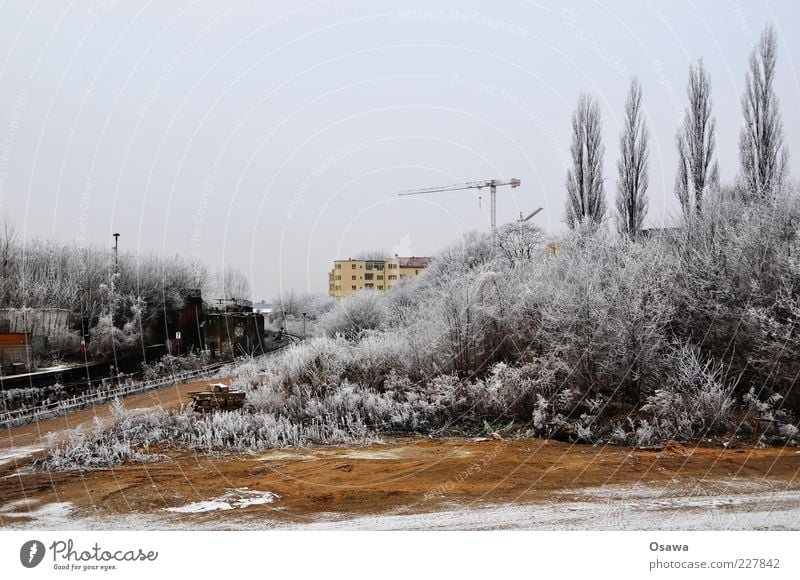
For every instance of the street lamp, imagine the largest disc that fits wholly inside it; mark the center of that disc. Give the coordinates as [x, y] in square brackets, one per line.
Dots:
[116, 253]
[304, 325]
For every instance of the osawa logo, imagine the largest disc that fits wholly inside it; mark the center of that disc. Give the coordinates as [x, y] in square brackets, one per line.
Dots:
[31, 553]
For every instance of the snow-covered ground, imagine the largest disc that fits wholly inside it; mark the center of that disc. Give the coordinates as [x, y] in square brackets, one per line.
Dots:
[231, 499]
[755, 506]
[18, 454]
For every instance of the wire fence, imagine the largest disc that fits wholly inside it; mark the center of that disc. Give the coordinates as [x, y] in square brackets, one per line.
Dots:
[24, 415]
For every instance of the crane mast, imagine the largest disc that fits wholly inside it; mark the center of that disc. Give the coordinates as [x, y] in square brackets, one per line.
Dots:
[492, 184]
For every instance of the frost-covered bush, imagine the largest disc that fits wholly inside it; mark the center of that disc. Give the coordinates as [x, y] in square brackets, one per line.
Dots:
[606, 314]
[171, 364]
[364, 310]
[694, 402]
[108, 338]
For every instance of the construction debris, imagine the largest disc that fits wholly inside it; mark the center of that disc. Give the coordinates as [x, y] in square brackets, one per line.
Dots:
[219, 397]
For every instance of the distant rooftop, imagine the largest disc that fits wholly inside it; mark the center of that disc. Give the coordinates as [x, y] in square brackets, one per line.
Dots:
[405, 261]
[414, 262]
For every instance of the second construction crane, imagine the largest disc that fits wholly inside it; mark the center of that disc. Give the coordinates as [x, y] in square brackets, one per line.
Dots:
[492, 184]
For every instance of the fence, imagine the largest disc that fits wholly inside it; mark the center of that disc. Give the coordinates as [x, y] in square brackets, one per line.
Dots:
[22, 416]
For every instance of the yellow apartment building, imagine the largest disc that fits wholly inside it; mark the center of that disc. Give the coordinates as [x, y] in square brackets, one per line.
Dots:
[348, 276]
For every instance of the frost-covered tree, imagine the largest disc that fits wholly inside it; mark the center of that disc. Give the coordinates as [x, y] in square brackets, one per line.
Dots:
[632, 166]
[586, 198]
[696, 141]
[233, 284]
[762, 153]
[519, 242]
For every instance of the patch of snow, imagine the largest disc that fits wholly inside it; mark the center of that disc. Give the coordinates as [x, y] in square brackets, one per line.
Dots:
[773, 511]
[232, 499]
[285, 455]
[17, 454]
[201, 506]
[20, 503]
[371, 454]
[48, 516]
[397, 453]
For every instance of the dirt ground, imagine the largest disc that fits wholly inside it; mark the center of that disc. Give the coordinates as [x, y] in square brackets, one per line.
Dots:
[414, 476]
[403, 476]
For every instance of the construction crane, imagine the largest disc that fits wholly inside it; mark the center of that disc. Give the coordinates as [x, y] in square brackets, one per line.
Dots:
[529, 216]
[492, 184]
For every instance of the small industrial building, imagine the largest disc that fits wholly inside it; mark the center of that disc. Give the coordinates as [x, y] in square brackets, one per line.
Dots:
[227, 328]
[348, 276]
[18, 351]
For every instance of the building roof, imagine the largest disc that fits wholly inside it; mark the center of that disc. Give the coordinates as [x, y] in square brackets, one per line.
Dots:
[413, 262]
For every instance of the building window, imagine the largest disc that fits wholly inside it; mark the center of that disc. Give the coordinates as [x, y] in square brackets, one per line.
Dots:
[369, 286]
[368, 276]
[354, 266]
[393, 266]
[352, 277]
[416, 272]
[338, 288]
[338, 266]
[392, 276]
[380, 276]
[380, 287]
[330, 287]
[353, 287]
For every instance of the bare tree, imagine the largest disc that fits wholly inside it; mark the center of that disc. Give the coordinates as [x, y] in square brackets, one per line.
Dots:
[763, 156]
[377, 254]
[696, 141]
[8, 241]
[517, 242]
[632, 166]
[586, 200]
[233, 284]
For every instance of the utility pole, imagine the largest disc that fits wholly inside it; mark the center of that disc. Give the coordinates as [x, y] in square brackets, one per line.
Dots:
[304, 325]
[116, 253]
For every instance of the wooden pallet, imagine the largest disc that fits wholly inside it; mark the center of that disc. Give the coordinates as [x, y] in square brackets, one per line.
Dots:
[218, 398]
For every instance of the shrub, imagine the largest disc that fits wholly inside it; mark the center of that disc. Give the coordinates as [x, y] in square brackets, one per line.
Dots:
[695, 402]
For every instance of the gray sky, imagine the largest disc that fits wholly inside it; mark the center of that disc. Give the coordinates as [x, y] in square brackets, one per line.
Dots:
[273, 136]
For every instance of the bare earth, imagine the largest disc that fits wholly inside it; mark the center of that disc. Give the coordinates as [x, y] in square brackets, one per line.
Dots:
[412, 483]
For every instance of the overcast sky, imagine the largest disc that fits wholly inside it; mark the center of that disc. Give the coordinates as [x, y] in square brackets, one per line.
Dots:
[273, 137]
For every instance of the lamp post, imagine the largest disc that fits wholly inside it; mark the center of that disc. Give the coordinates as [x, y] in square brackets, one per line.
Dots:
[304, 325]
[116, 253]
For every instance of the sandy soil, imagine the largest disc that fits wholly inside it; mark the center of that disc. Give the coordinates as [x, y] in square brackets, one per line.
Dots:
[407, 483]
[422, 484]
